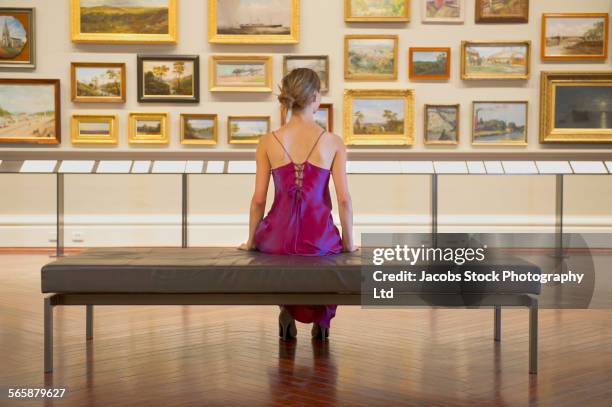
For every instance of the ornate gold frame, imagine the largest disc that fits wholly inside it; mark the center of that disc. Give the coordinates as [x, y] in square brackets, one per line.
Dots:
[212, 73]
[133, 138]
[407, 138]
[545, 57]
[229, 127]
[214, 117]
[548, 82]
[366, 77]
[94, 139]
[426, 121]
[504, 143]
[96, 99]
[292, 38]
[465, 75]
[348, 17]
[170, 38]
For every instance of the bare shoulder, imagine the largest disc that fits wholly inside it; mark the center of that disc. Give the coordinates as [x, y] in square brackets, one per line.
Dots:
[336, 141]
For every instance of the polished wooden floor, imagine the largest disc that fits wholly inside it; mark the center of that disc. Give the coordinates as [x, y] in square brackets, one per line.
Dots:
[231, 356]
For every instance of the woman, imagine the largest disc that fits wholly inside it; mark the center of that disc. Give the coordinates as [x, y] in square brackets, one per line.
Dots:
[301, 156]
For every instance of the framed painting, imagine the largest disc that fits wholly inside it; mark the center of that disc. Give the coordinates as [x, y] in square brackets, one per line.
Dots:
[429, 63]
[576, 107]
[247, 129]
[377, 11]
[201, 129]
[94, 129]
[17, 43]
[574, 36]
[379, 116]
[254, 21]
[370, 57]
[148, 128]
[124, 21]
[92, 82]
[502, 11]
[324, 117]
[168, 78]
[499, 123]
[240, 73]
[318, 63]
[495, 59]
[30, 111]
[441, 124]
[443, 11]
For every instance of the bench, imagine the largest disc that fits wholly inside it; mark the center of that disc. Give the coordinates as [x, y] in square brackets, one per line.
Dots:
[227, 276]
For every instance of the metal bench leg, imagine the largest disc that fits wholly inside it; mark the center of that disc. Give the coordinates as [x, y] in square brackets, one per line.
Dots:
[48, 335]
[497, 322]
[89, 322]
[533, 338]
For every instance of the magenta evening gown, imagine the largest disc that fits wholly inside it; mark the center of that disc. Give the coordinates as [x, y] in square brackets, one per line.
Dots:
[300, 223]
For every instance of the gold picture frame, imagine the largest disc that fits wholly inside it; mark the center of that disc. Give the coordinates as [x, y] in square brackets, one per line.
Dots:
[134, 137]
[550, 83]
[492, 74]
[74, 85]
[95, 134]
[351, 18]
[323, 76]
[293, 37]
[233, 139]
[573, 56]
[426, 122]
[351, 76]
[400, 137]
[185, 139]
[504, 142]
[214, 84]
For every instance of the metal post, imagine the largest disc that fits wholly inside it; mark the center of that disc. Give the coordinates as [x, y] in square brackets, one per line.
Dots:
[533, 338]
[185, 211]
[434, 209]
[89, 322]
[497, 323]
[48, 334]
[59, 246]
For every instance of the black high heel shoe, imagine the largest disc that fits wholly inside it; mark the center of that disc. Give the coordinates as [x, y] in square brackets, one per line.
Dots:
[319, 332]
[286, 325]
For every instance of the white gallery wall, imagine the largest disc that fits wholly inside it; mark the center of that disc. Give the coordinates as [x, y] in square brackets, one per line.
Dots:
[145, 210]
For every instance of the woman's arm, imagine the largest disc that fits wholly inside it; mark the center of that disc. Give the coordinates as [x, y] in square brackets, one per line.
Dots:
[258, 202]
[345, 205]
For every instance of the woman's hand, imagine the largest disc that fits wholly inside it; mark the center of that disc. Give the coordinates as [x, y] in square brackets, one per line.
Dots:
[246, 246]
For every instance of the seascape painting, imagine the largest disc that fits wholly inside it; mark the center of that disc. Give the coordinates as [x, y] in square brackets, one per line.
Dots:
[574, 36]
[319, 64]
[443, 9]
[377, 9]
[168, 78]
[198, 129]
[254, 17]
[124, 16]
[98, 82]
[441, 124]
[502, 11]
[371, 58]
[429, 63]
[495, 60]
[28, 112]
[378, 116]
[247, 129]
[95, 128]
[501, 123]
[583, 107]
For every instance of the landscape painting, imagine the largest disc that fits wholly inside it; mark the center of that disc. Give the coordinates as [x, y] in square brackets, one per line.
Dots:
[29, 111]
[98, 82]
[168, 79]
[94, 129]
[247, 129]
[253, 21]
[141, 21]
[240, 74]
[377, 10]
[502, 11]
[17, 38]
[575, 36]
[495, 60]
[442, 11]
[499, 123]
[370, 57]
[441, 124]
[148, 128]
[199, 129]
[319, 64]
[429, 63]
[379, 116]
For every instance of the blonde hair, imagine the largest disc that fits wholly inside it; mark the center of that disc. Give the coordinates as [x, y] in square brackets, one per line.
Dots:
[299, 88]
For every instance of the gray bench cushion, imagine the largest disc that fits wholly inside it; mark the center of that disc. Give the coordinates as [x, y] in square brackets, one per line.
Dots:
[228, 270]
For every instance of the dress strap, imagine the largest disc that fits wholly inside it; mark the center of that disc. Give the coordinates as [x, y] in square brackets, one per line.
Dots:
[283, 146]
[314, 145]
